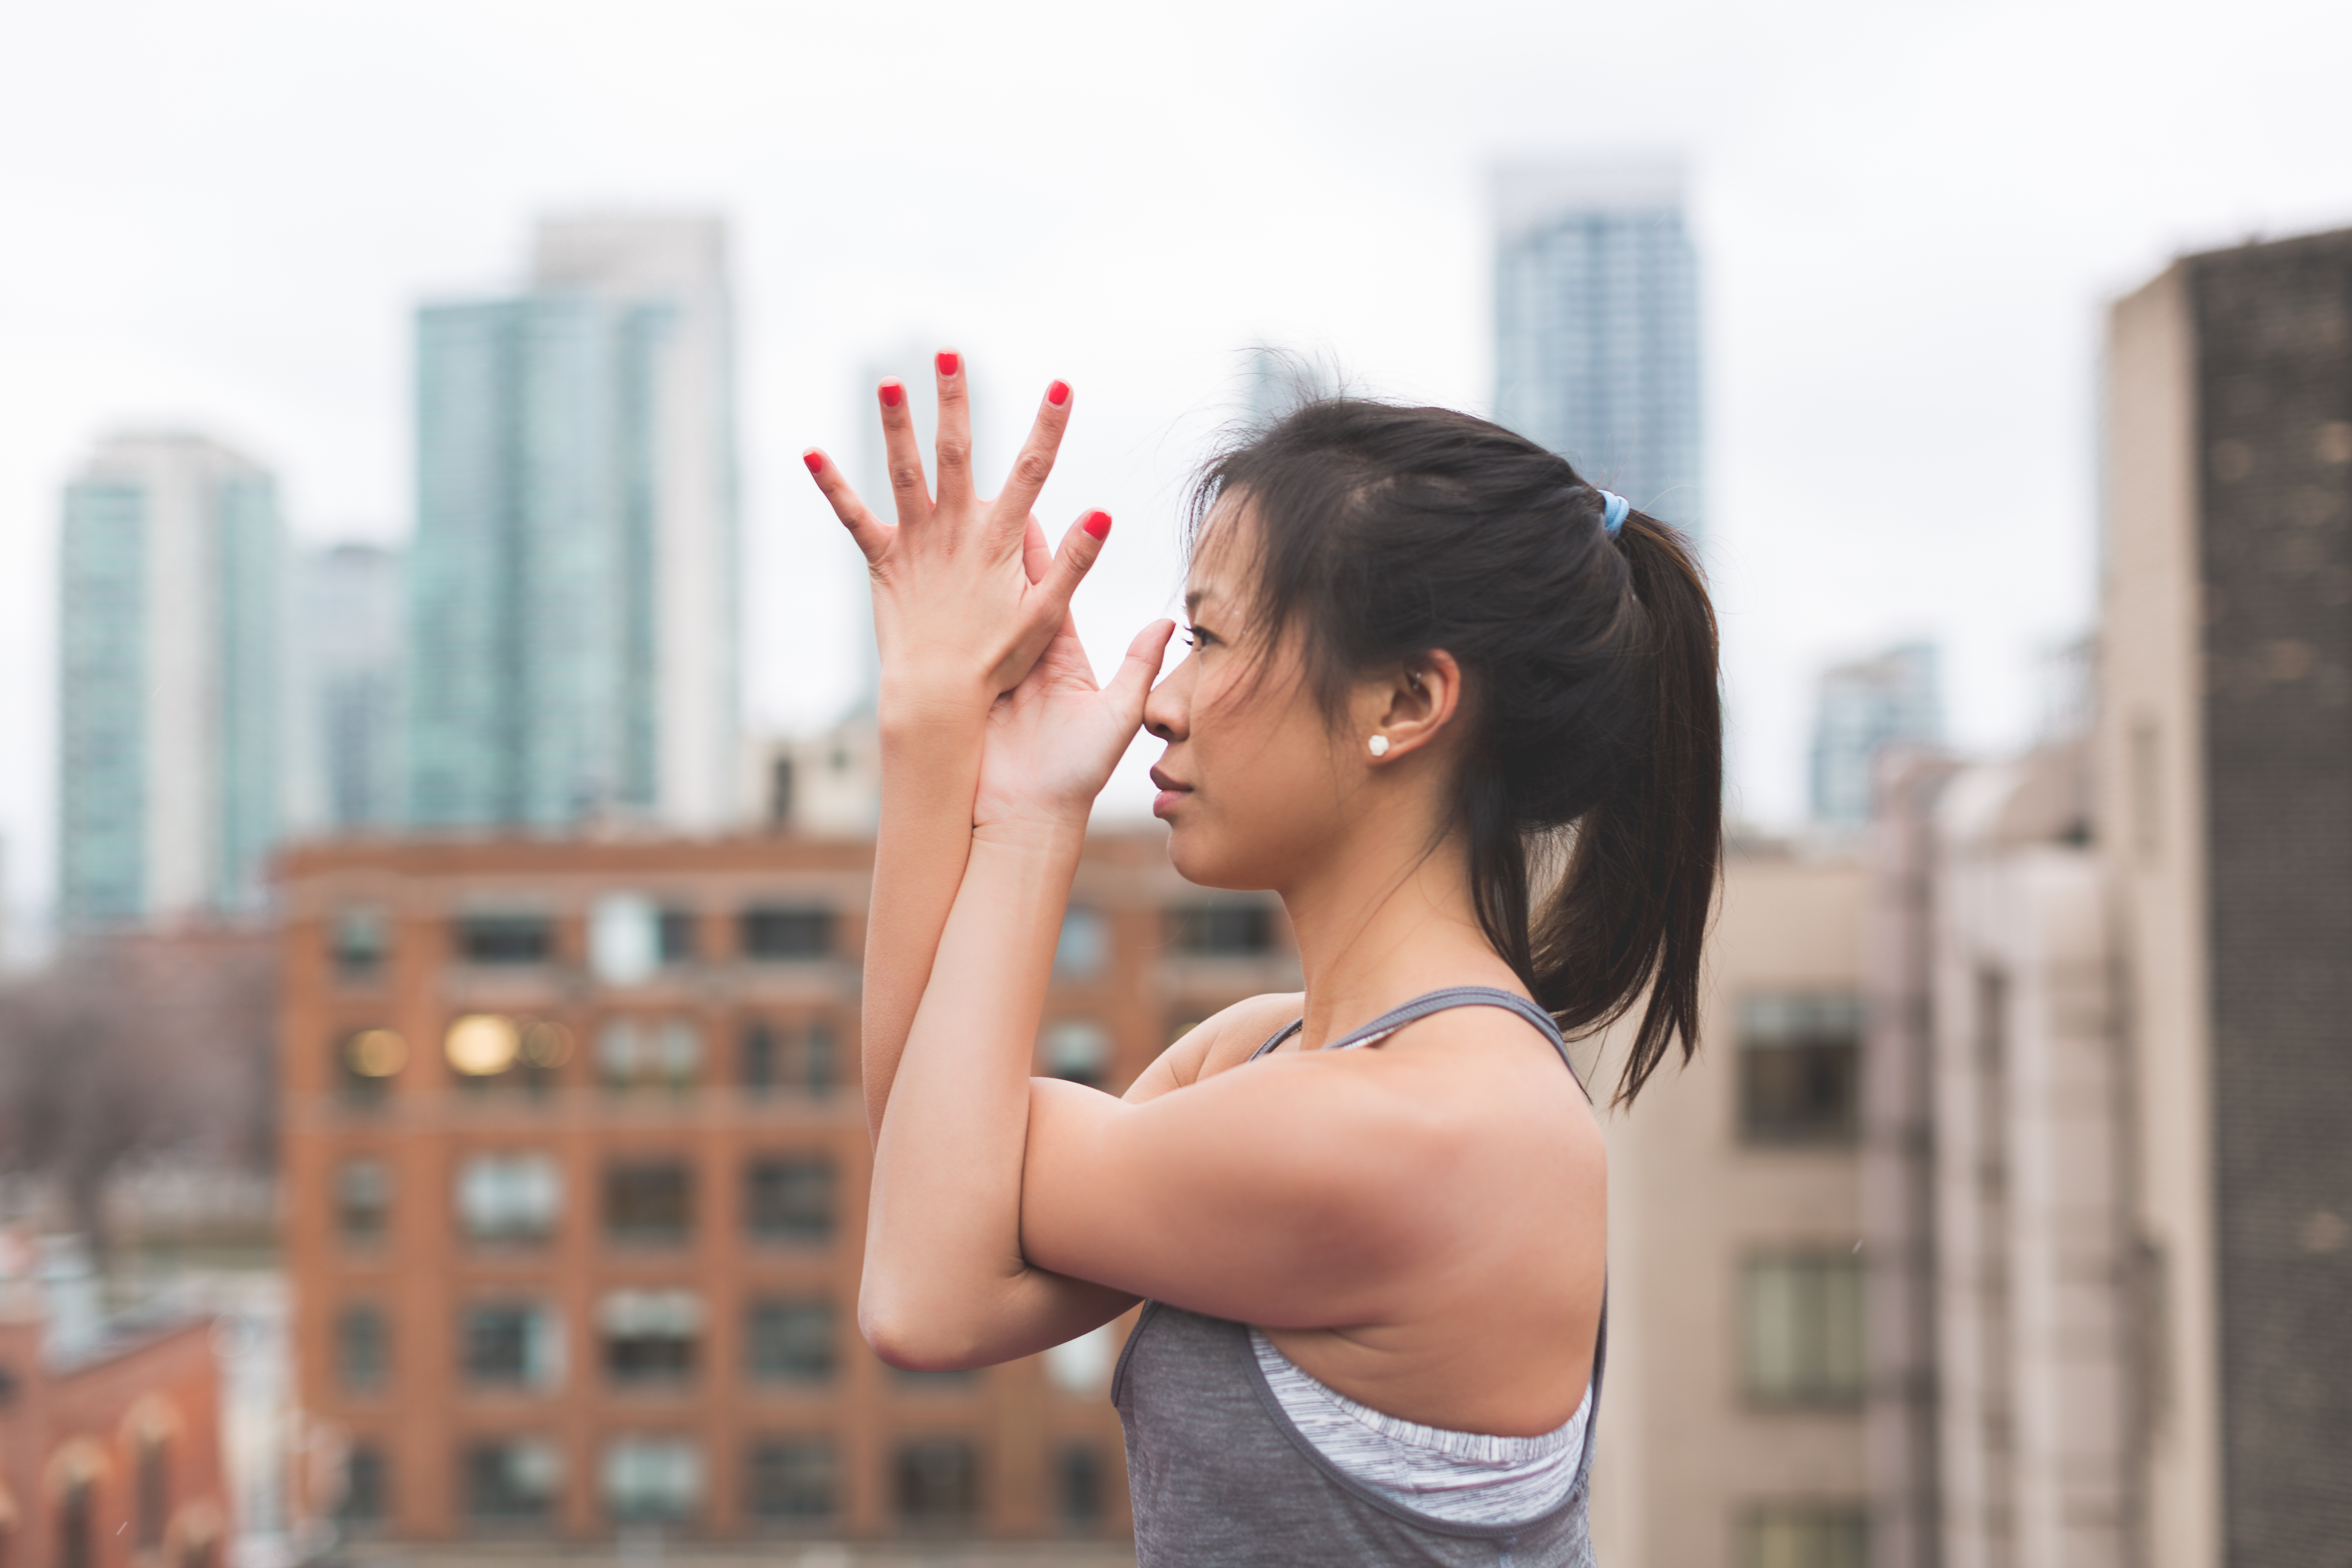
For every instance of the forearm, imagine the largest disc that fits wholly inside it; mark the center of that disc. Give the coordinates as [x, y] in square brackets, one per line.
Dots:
[930, 766]
[945, 1281]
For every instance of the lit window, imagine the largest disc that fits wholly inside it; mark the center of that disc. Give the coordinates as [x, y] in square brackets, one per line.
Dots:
[1077, 1049]
[792, 1479]
[652, 1480]
[362, 1349]
[1801, 1328]
[1800, 1069]
[650, 1336]
[1084, 946]
[1804, 1535]
[366, 1061]
[776, 933]
[513, 1342]
[512, 1480]
[648, 1202]
[789, 1199]
[362, 1200]
[938, 1482]
[508, 1197]
[788, 1342]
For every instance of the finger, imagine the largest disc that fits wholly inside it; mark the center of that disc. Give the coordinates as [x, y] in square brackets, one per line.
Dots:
[1036, 555]
[1080, 548]
[871, 534]
[1035, 463]
[904, 456]
[954, 440]
[1132, 684]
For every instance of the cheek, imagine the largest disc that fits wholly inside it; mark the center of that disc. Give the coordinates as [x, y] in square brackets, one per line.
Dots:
[1267, 792]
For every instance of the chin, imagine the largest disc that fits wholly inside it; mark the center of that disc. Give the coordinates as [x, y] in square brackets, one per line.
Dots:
[1203, 861]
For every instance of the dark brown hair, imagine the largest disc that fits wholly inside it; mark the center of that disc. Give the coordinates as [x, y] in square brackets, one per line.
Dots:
[1590, 676]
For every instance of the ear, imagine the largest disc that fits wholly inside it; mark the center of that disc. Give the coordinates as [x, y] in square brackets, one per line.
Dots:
[1407, 706]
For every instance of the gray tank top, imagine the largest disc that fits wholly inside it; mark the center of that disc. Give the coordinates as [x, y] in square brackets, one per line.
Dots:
[1221, 1478]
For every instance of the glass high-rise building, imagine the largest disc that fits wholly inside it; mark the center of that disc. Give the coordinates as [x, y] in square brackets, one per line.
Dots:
[572, 583]
[349, 606]
[171, 576]
[1865, 707]
[1596, 325]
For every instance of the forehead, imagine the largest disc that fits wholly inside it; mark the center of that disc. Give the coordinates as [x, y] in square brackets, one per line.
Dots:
[1217, 575]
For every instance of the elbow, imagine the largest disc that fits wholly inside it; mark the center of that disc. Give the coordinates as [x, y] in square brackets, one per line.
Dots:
[907, 1336]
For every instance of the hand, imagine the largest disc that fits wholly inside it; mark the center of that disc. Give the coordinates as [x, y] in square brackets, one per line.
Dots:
[1053, 739]
[965, 595]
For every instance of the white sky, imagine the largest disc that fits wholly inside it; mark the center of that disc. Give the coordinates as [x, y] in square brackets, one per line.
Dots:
[1909, 217]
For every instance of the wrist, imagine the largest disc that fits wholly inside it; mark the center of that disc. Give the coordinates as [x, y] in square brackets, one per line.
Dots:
[1051, 833]
[924, 703]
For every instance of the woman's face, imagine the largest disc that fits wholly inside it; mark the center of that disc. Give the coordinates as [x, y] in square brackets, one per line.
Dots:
[1253, 785]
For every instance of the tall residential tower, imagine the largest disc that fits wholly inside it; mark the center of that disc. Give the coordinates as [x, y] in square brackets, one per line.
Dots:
[1596, 325]
[573, 582]
[170, 578]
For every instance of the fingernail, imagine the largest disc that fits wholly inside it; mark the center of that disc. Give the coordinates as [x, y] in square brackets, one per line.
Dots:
[947, 364]
[1097, 523]
[815, 459]
[1058, 393]
[891, 392]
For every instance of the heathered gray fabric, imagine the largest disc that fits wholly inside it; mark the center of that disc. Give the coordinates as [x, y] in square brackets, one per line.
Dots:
[1220, 1477]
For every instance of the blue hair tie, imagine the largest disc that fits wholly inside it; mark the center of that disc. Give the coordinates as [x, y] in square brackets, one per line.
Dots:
[1613, 509]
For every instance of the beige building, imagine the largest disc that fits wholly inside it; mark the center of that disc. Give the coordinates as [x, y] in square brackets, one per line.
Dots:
[1732, 1414]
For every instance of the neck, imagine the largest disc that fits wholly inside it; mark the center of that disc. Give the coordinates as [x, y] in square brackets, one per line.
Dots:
[1382, 920]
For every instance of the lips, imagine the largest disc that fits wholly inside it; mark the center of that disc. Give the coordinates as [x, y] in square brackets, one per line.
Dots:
[1171, 796]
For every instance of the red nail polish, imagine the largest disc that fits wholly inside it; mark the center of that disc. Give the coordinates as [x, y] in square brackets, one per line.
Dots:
[891, 392]
[816, 460]
[1058, 393]
[1097, 523]
[947, 364]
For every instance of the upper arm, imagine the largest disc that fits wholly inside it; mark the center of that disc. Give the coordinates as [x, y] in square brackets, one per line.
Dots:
[1214, 1044]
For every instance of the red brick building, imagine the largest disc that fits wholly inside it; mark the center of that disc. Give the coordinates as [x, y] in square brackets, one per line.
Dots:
[110, 1450]
[576, 1170]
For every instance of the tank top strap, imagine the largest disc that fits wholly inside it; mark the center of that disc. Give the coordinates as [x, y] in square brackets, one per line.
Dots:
[1439, 1002]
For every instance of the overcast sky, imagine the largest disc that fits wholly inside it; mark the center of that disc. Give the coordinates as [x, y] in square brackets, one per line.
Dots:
[1909, 218]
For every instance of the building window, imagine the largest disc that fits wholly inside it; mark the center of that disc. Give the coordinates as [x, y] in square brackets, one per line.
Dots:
[511, 1199]
[1079, 1486]
[1084, 947]
[791, 1479]
[650, 1336]
[1801, 1328]
[1800, 1069]
[789, 1200]
[153, 1494]
[357, 940]
[652, 1480]
[1077, 1049]
[938, 1482]
[679, 936]
[511, 1480]
[772, 1056]
[366, 1061]
[362, 1349]
[788, 1342]
[362, 1200]
[75, 1526]
[648, 1203]
[1804, 1535]
[1220, 930]
[503, 939]
[366, 1487]
[774, 931]
[648, 1054]
[512, 1344]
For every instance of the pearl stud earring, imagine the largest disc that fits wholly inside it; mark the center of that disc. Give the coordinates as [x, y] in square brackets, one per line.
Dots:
[1380, 745]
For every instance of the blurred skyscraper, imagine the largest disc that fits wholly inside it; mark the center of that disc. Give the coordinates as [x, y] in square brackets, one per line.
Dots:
[1864, 707]
[350, 606]
[171, 572]
[572, 605]
[1596, 325]
[1280, 380]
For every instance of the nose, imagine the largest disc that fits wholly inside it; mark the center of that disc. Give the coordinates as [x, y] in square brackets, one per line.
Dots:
[1168, 711]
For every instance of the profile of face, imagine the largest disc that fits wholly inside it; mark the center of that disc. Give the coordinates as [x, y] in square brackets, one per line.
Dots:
[1259, 784]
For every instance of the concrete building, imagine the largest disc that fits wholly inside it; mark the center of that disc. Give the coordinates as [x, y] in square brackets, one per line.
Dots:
[574, 578]
[109, 1427]
[171, 570]
[1597, 328]
[1861, 709]
[575, 1175]
[1732, 1418]
[350, 607]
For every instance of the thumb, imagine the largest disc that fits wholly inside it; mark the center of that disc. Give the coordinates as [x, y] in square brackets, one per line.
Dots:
[1132, 684]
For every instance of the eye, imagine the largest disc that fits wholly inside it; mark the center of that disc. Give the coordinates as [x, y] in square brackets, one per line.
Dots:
[1199, 636]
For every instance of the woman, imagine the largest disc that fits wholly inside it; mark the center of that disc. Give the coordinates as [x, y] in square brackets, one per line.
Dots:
[1370, 1218]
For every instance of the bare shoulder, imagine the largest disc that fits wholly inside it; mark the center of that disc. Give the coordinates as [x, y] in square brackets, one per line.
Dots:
[1226, 1040]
